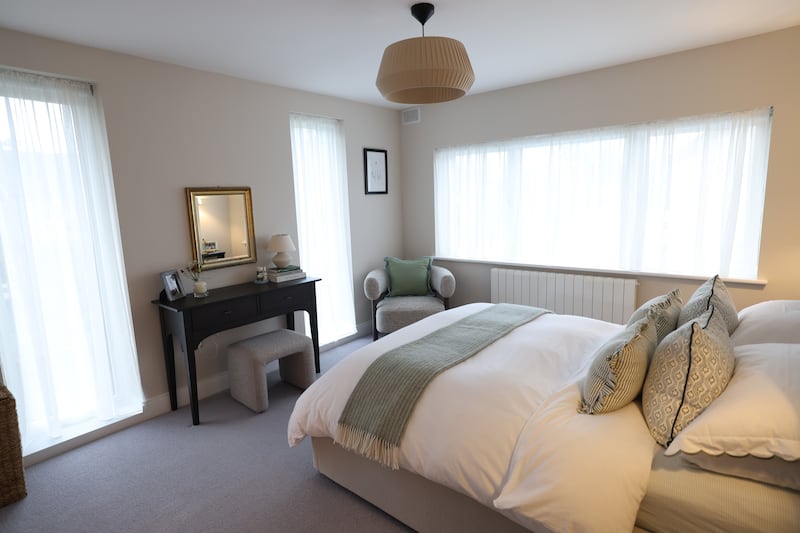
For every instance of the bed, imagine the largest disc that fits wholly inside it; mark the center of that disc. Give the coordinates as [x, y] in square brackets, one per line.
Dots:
[558, 424]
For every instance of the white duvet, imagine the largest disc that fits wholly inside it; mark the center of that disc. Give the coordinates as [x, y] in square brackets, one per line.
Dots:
[503, 427]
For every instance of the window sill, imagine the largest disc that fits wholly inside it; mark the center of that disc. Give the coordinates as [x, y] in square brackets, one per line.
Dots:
[754, 283]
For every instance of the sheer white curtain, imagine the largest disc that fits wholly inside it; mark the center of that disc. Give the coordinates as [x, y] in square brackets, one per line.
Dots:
[66, 337]
[677, 197]
[323, 220]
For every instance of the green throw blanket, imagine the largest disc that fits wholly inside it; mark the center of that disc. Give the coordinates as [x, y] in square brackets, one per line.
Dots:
[376, 415]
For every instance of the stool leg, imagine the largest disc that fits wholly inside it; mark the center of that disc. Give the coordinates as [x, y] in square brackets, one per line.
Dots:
[248, 381]
[261, 398]
[298, 368]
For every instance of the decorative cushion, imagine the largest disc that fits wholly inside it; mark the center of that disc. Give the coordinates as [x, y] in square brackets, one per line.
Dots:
[755, 417]
[665, 308]
[409, 277]
[773, 321]
[712, 292]
[689, 369]
[619, 368]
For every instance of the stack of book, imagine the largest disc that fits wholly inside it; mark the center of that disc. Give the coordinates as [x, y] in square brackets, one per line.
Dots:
[278, 275]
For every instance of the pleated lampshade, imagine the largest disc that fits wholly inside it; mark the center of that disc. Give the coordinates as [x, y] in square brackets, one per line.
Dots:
[425, 70]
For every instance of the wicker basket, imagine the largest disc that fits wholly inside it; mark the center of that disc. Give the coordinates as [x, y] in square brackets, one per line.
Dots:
[12, 475]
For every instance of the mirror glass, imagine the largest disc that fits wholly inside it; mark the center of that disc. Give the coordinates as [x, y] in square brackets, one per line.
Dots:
[221, 226]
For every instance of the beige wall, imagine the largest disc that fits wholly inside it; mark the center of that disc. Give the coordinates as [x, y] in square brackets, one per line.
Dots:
[171, 127]
[740, 75]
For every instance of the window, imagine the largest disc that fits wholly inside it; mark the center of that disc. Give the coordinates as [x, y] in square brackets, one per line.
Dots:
[66, 337]
[323, 220]
[683, 197]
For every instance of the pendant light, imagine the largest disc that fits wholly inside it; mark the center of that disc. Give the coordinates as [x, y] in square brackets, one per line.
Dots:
[424, 70]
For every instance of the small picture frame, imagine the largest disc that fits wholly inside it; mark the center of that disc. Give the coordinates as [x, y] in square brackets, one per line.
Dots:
[173, 287]
[375, 171]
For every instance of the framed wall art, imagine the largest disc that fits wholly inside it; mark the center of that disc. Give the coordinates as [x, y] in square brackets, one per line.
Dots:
[376, 180]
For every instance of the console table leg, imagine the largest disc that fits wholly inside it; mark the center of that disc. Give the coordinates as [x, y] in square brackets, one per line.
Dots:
[168, 344]
[312, 315]
[172, 385]
[191, 383]
[315, 337]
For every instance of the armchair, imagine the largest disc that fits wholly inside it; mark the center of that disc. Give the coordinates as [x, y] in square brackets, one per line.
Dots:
[391, 312]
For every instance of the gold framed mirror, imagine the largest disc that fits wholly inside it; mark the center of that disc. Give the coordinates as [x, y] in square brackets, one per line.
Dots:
[221, 226]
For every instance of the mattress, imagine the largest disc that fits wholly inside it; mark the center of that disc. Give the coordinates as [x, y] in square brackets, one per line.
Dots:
[681, 497]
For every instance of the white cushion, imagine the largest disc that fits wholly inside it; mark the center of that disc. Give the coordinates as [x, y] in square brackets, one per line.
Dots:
[758, 414]
[772, 321]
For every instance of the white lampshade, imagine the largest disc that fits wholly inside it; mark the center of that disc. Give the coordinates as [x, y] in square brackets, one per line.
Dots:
[281, 243]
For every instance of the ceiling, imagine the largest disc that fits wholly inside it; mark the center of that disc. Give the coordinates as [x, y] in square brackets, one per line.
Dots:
[334, 47]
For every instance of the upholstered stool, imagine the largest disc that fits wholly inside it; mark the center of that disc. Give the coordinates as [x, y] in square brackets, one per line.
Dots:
[248, 359]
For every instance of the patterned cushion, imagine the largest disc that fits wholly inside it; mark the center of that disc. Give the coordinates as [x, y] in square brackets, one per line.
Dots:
[689, 369]
[712, 292]
[409, 277]
[665, 308]
[619, 367]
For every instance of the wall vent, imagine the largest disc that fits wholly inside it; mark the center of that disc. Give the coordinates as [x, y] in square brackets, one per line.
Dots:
[411, 116]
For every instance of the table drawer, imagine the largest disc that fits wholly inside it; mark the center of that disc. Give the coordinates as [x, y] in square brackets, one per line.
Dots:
[225, 313]
[285, 301]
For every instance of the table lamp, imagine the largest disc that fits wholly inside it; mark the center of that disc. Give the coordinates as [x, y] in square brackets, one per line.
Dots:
[281, 243]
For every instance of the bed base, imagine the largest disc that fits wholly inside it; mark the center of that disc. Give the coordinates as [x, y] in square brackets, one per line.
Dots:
[417, 502]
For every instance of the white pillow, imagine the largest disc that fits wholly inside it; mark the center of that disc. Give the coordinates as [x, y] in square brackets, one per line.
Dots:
[772, 321]
[757, 414]
[774, 470]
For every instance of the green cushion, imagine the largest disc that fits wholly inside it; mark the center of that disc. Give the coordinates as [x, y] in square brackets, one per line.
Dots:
[409, 277]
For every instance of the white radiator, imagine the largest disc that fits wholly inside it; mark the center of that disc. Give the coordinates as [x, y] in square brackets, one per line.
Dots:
[609, 299]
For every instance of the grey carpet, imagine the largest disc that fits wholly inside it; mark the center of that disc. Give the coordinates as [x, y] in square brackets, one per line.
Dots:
[234, 472]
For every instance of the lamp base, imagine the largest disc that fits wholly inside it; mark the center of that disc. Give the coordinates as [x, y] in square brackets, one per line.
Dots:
[282, 259]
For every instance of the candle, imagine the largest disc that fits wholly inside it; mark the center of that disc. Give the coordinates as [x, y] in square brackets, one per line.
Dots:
[200, 288]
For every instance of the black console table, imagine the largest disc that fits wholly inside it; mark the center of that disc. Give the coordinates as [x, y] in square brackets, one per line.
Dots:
[189, 320]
